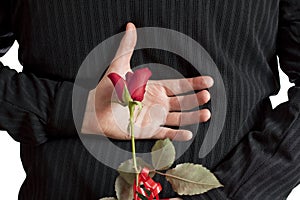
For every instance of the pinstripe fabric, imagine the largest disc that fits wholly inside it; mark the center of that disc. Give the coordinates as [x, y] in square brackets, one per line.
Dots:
[258, 154]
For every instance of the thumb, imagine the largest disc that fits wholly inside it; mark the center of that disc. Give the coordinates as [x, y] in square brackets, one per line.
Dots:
[121, 61]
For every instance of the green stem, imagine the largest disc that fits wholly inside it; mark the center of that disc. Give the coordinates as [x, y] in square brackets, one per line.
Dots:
[131, 121]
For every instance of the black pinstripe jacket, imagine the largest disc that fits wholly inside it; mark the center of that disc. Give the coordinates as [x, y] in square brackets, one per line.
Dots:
[258, 154]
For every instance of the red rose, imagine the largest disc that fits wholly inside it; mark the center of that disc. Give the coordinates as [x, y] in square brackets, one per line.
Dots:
[135, 84]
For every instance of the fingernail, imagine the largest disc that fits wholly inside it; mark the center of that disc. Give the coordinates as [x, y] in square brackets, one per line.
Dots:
[129, 26]
[189, 136]
[183, 136]
[209, 81]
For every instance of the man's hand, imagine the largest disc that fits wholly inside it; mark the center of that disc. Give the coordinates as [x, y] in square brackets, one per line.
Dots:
[161, 106]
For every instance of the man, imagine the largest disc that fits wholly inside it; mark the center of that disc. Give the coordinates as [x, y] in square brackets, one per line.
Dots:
[257, 155]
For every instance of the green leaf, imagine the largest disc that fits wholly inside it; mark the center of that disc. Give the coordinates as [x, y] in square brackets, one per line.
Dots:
[192, 179]
[127, 171]
[163, 154]
[124, 191]
[108, 198]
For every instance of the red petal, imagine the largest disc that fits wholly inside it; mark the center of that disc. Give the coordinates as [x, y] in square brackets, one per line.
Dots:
[129, 76]
[119, 84]
[137, 83]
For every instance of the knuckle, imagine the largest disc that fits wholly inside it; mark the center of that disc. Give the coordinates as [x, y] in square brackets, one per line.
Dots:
[160, 134]
[174, 103]
[176, 118]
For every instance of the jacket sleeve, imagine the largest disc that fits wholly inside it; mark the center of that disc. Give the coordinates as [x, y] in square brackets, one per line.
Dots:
[32, 109]
[266, 163]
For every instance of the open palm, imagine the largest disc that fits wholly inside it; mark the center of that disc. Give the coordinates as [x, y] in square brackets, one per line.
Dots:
[163, 104]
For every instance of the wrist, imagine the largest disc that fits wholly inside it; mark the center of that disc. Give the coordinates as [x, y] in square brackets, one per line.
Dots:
[90, 122]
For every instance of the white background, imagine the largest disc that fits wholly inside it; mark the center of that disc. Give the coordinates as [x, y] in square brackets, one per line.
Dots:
[12, 174]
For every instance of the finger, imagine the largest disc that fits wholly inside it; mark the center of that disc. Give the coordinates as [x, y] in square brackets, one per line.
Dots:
[180, 86]
[177, 135]
[187, 102]
[187, 118]
[126, 48]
